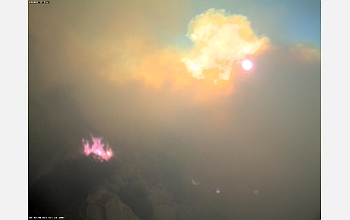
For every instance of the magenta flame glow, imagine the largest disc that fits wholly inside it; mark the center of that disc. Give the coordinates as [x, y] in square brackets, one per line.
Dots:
[97, 148]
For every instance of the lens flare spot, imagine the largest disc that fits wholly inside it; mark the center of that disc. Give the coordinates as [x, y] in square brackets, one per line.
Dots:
[196, 183]
[247, 64]
[246, 49]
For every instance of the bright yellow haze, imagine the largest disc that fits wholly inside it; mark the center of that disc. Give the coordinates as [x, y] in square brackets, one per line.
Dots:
[220, 41]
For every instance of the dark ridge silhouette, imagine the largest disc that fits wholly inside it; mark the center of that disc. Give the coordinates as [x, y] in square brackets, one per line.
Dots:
[67, 186]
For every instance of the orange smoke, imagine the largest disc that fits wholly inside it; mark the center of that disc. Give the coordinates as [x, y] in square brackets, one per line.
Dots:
[221, 41]
[208, 70]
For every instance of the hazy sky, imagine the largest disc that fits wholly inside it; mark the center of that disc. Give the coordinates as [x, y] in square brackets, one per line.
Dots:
[164, 74]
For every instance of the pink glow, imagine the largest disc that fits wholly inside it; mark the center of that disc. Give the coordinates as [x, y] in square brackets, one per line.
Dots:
[97, 149]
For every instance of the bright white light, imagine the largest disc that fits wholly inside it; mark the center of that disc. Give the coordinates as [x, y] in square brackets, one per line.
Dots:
[247, 64]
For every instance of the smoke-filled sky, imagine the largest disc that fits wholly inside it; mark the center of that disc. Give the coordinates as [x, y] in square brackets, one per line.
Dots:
[167, 75]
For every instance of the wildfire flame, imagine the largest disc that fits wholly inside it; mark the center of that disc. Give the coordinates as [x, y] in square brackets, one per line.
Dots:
[97, 148]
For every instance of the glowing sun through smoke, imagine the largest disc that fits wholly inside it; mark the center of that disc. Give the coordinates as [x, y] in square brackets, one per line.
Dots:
[221, 41]
[247, 64]
[97, 149]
